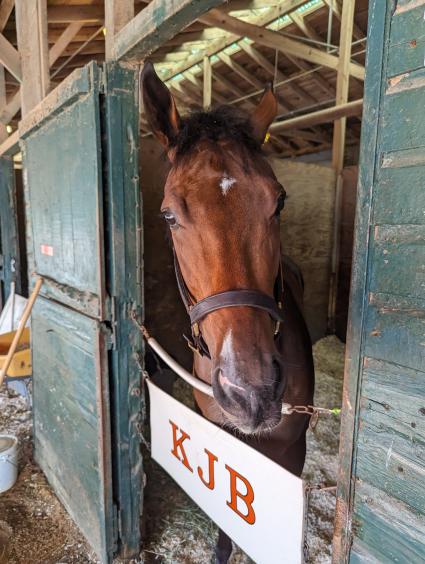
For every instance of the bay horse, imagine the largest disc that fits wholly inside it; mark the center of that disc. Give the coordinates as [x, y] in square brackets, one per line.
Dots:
[222, 203]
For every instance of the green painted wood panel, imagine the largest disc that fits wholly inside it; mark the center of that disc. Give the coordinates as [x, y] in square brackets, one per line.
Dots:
[386, 530]
[124, 275]
[399, 195]
[66, 196]
[403, 111]
[9, 243]
[71, 417]
[381, 501]
[64, 160]
[399, 260]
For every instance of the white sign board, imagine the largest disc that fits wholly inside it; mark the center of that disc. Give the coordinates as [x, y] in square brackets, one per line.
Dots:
[256, 502]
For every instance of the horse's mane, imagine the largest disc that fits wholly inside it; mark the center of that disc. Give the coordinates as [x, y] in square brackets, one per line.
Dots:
[221, 123]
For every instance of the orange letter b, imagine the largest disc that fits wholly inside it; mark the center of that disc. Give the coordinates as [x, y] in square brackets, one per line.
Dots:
[247, 498]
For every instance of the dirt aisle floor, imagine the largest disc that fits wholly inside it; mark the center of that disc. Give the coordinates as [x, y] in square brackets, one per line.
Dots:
[35, 529]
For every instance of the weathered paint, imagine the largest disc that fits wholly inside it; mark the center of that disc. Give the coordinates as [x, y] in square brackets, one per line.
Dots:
[124, 275]
[71, 417]
[84, 219]
[381, 503]
[9, 244]
[155, 25]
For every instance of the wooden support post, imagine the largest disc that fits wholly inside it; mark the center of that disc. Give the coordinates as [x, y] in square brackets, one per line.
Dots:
[207, 83]
[31, 24]
[117, 14]
[338, 150]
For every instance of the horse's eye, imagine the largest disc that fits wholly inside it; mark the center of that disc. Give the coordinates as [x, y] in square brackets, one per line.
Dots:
[169, 218]
[280, 203]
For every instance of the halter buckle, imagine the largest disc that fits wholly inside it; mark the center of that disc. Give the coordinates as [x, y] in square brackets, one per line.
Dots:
[195, 329]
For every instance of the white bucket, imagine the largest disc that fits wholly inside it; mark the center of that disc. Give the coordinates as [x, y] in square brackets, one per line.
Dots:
[8, 461]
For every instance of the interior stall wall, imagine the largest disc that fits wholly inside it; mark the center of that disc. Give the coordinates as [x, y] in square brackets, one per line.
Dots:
[306, 232]
[165, 316]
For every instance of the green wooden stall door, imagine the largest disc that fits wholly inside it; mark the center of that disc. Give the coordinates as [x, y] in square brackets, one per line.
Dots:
[382, 487]
[80, 159]
[9, 245]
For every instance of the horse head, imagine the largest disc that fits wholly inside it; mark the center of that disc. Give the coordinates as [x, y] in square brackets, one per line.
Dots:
[222, 203]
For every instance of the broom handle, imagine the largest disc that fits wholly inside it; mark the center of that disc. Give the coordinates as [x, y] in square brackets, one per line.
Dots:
[21, 327]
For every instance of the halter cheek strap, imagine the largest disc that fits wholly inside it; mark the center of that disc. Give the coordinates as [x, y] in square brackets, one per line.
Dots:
[231, 298]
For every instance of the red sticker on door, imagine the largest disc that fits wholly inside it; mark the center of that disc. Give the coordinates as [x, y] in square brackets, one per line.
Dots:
[46, 250]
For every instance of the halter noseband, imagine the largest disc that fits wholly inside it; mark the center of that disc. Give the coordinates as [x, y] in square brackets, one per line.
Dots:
[231, 298]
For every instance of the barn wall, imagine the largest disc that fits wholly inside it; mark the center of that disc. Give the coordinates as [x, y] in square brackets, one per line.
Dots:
[306, 232]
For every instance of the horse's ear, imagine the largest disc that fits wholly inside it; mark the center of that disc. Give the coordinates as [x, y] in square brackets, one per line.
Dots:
[159, 105]
[264, 113]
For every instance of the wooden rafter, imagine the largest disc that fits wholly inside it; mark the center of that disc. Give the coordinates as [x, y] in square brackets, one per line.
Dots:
[214, 47]
[239, 70]
[305, 27]
[63, 41]
[66, 14]
[321, 116]
[336, 8]
[6, 7]
[274, 40]
[275, 72]
[9, 110]
[9, 58]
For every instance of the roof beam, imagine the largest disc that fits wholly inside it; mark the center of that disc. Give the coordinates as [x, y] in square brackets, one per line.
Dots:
[8, 111]
[6, 8]
[238, 69]
[269, 67]
[64, 40]
[68, 14]
[214, 47]
[321, 116]
[336, 8]
[274, 40]
[9, 58]
[305, 27]
[12, 108]
[147, 31]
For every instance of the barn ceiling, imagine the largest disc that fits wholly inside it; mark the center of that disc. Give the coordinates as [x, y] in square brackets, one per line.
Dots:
[240, 66]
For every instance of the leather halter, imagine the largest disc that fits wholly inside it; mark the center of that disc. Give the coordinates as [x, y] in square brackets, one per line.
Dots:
[231, 298]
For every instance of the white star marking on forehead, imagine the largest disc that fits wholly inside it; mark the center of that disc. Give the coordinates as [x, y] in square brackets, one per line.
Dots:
[226, 183]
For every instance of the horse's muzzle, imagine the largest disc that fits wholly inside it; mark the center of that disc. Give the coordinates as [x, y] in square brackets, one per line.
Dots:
[252, 407]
